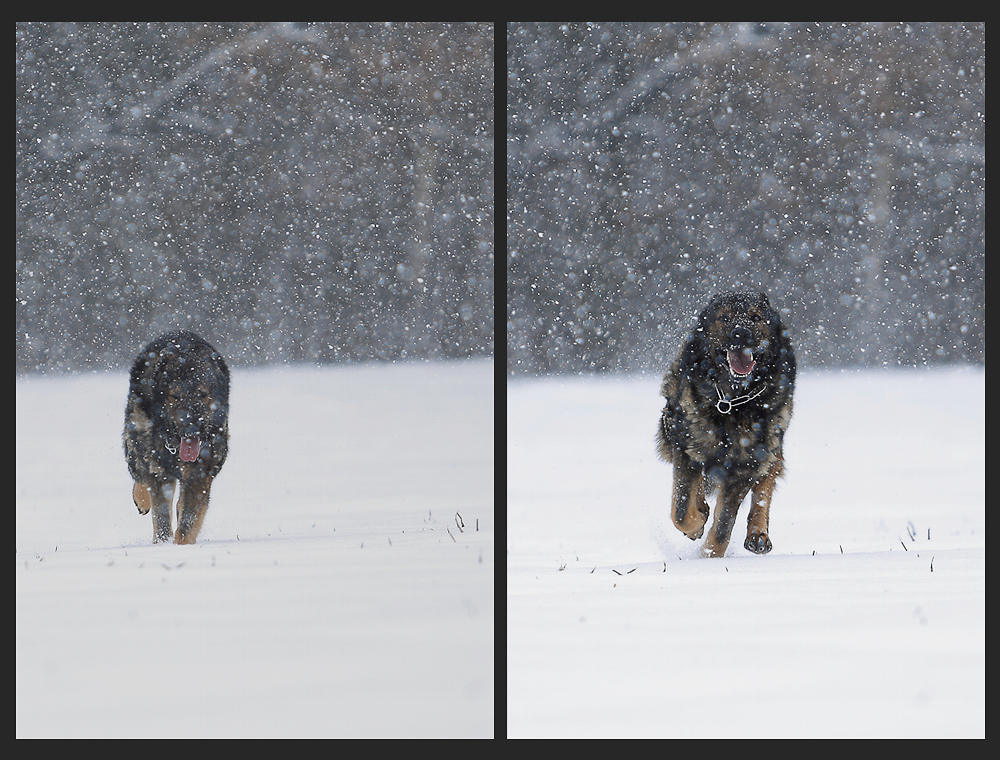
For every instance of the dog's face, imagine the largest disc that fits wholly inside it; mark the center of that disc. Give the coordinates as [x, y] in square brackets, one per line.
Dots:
[187, 392]
[739, 332]
[194, 408]
[188, 412]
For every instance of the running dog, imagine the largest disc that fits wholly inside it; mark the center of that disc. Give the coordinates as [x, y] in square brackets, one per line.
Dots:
[729, 402]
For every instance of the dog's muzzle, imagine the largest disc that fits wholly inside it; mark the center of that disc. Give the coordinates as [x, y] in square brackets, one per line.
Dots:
[741, 361]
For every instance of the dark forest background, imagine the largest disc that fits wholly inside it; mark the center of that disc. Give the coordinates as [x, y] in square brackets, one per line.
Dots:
[314, 192]
[840, 167]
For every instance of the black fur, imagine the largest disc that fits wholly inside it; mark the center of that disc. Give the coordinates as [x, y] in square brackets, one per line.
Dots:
[728, 403]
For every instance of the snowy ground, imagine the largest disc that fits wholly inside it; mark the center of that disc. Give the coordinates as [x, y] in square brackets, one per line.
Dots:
[615, 627]
[331, 592]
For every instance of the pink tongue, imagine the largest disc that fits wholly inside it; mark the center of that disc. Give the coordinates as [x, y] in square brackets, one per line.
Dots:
[190, 448]
[741, 363]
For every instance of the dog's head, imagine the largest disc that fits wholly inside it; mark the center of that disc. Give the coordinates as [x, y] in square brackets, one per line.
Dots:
[189, 387]
[740, 332]
[194, 413]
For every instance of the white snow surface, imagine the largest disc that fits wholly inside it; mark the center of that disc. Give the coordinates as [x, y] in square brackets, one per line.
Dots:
[332, 591]
[616, 627]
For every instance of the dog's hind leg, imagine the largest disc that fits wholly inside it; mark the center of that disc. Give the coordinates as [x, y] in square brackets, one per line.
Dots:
[191, 508]
[730, 497]
[690, 510]
[760, 510]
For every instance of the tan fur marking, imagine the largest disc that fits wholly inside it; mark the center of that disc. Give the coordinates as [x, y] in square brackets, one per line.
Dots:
[191, 508]
[715, 545]
[141, 498]
[760, 506]
[693, 524]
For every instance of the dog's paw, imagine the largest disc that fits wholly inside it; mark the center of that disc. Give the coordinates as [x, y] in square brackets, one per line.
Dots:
[141, 498]
[758, 543]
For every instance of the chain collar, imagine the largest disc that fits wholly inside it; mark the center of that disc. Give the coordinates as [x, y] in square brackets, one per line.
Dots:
[725, 405]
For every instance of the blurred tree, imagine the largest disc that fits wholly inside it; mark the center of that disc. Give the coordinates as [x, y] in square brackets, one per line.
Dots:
[319, 192]
[839, 166]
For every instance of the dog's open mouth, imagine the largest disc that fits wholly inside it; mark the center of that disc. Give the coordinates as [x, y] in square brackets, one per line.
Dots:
[190, 448]
[741, 362]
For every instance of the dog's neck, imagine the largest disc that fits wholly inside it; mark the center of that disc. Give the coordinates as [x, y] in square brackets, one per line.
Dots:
[725, 405]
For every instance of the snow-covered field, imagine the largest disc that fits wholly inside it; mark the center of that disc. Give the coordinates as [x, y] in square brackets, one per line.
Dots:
[615, 627]
[332, 591]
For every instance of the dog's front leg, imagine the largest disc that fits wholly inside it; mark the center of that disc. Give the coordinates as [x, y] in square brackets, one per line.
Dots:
[730, 497]
[690, 510]
[192, 506]
[760, 510]
[161, 496]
